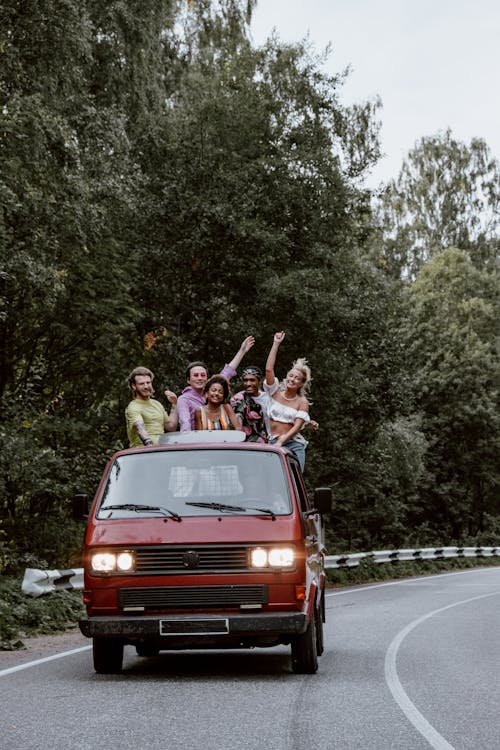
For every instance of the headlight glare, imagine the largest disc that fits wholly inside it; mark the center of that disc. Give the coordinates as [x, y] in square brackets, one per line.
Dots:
[281, 558]
[259, 558]
[103, 562]
[275, 557]
[106, 562]
[125, 562]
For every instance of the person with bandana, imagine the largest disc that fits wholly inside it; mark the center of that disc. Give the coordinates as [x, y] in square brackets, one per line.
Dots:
[250, 406]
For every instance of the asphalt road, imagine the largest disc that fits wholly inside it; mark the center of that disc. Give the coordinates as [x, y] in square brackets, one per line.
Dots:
[408, 665]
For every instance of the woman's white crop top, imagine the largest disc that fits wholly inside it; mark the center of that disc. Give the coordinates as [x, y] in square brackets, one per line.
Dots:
[279, 412]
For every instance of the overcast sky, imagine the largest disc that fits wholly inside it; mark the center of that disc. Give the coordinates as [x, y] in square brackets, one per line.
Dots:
[434, 63]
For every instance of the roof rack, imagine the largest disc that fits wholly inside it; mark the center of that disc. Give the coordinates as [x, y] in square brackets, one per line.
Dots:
[202, 437]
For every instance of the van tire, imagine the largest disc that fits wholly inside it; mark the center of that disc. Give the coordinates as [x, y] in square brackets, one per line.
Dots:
[320, 647]
[304, 651]
[108, 655]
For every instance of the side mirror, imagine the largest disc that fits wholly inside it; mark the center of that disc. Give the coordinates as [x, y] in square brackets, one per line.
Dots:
[323, 499]
[80, 507]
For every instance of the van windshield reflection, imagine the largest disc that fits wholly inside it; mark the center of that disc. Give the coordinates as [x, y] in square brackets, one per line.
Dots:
[187, 483]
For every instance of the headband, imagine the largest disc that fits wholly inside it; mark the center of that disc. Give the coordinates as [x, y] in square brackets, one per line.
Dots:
[252, 371]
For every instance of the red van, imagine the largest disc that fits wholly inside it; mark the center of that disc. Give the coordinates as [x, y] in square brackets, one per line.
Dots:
[204, 541]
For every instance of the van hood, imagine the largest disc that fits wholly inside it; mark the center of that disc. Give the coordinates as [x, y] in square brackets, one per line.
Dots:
[218, 529]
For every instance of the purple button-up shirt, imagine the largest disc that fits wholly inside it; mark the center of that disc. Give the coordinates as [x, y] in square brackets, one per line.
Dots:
[190, 400]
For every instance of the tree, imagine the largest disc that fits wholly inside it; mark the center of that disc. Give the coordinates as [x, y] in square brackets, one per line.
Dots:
[447, 195]
[255, 214]
[453, 350]
[66, 310]
[167, 189]
[254, 173]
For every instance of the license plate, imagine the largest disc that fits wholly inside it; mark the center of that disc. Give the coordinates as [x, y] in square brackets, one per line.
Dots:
[194, 627]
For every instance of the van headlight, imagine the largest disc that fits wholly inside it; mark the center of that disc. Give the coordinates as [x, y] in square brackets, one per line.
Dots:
[122, 561]
[273, 557]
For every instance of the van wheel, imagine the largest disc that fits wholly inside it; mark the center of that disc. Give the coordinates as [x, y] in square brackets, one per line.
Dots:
[304, 651]
[147, 649]
[318, 616]
[108, 655]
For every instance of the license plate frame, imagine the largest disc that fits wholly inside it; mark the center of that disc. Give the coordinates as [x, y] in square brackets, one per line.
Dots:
[188, 626]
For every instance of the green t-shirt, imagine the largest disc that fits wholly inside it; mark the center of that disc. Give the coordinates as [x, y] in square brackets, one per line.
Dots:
[149, 411]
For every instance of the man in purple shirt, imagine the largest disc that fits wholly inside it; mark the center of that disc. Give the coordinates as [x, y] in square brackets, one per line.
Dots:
[192, 396]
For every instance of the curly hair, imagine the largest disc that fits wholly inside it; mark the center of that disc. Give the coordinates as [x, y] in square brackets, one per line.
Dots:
[220, 381]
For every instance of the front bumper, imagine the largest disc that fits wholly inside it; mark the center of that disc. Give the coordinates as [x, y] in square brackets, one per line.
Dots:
[199, 631]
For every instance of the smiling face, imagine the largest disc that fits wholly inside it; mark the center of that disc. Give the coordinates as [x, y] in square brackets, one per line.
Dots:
[142, 387]
[251, 384]
[197, 377]
[215, 394]
[294, 379]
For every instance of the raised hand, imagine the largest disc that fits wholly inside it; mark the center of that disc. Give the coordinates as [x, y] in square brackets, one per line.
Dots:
[247, 344]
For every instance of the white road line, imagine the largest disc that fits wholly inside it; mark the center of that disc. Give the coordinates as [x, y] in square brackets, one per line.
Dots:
[26, 665]
[411, 712]
[407, 581]
[34, 663]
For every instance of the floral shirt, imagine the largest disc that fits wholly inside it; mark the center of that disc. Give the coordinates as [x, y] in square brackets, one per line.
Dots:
[252, 417]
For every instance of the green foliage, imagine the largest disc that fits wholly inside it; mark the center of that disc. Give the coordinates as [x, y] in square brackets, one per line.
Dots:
[22, 616]
[166, 188]
[447, 195]
[452, 336]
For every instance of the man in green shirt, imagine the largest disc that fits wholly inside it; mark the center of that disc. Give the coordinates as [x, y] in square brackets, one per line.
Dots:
[146, 418]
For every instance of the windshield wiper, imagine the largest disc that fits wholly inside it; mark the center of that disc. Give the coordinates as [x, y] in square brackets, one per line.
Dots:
[138, 508]
[217, 506]
[266, 510]
[223, 506]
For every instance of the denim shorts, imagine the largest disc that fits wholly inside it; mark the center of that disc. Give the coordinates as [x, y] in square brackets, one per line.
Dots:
[298, 448]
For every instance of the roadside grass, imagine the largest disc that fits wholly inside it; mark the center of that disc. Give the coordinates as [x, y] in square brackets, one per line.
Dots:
[22, 616]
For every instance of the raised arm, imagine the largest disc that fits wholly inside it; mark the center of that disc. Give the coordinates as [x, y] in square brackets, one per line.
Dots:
[271, 357]
[173, 419]
[245, 347]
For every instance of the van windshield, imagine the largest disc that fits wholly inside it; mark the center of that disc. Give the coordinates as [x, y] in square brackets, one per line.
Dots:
[195, 483]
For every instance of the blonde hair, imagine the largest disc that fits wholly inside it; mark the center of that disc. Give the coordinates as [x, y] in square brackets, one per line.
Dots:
[301, 365]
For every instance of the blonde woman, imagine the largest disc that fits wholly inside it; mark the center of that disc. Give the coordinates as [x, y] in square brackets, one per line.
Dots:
[287, 405]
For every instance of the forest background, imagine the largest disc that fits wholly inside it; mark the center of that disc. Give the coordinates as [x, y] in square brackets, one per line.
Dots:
[167, 188]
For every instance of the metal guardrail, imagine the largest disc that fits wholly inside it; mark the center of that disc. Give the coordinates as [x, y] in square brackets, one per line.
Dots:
[38, 582]
[427, 553]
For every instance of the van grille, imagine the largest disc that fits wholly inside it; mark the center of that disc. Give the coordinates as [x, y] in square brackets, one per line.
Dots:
[192, 597]
[193, 559]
